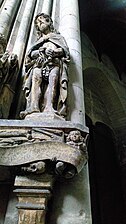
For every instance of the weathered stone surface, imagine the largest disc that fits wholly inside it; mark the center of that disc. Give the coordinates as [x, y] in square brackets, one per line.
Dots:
[48, 124]
[7, 15]
[36, 181]
[71, 203]
[46, 75]
[22, 154]
[33, 195]
[23, 30]
[69, 25]
[8, 77]
[37, 140]
[45, 116]
[47, 5]
[31, 216]
[61, 152]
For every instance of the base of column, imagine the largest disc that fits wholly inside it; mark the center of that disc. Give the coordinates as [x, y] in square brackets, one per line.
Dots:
[33, 193]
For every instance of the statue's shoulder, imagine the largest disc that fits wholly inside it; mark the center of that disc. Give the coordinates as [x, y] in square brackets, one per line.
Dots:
[57, 38]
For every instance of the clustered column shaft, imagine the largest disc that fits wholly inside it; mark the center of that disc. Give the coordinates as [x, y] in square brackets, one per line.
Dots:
[70, 29]
[47, 5]
[7, 16]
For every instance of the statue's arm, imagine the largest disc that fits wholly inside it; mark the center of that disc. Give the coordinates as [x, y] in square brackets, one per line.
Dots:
[59, 52]
[54, 53]
[28, 63]
[35, 54]
[36, 46]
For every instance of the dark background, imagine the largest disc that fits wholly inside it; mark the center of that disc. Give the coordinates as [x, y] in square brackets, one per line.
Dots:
[104, 22]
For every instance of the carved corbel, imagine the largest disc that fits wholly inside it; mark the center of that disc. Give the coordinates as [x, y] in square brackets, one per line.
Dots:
[39, 155]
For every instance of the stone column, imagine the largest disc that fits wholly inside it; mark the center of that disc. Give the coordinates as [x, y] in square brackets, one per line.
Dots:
[76, 201]
[33, 194]
[17, 44]
[33, 34]
[70, 29]
[47, 6]
[55, 13]
[23, 31]
[1, 1]
[7, 16]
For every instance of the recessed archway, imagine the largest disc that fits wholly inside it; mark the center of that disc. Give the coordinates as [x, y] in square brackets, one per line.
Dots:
[103, 99]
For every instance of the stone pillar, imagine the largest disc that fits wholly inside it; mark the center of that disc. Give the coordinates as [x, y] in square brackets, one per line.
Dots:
[70, 29]
[33, 194]
[23, 31]
[7, 16]
[55, 13]
[33, 34]
[1, 1]
[76, 202]
[47, 6]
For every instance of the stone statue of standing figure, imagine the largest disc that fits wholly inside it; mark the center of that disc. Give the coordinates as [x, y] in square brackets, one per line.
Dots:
[46, 68]
[4, 63]
[8, 77]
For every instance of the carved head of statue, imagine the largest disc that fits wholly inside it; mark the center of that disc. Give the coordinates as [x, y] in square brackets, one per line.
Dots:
[43, 23]
[3, 44]
[74, 136]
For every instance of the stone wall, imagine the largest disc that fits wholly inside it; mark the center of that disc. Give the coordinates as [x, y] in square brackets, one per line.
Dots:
[105, 99]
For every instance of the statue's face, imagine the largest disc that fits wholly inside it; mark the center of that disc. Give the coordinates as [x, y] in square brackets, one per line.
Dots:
[75, 136]
[1, 49]
[43, 24]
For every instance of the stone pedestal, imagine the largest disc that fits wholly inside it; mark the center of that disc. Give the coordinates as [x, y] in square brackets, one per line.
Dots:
[39, 152]
[33, 193]
[45, 116]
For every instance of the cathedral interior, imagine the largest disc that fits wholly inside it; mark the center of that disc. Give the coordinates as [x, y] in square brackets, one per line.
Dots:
[97, 194]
